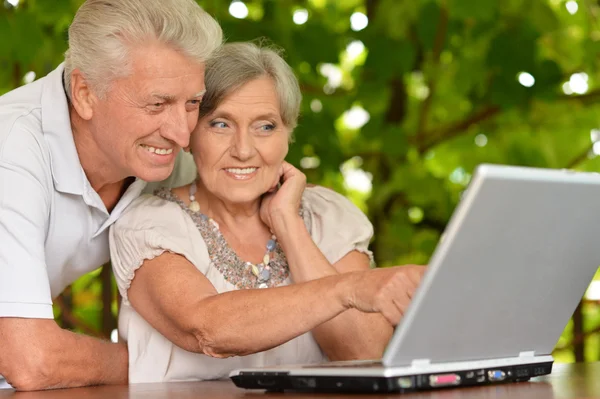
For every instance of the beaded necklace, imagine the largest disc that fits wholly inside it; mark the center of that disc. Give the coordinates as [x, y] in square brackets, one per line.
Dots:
[262, 271]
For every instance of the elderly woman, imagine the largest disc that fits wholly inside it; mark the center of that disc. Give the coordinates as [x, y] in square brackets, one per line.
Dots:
[247, 266]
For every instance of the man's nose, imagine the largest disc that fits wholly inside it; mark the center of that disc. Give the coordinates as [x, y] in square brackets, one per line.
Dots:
[177, 126]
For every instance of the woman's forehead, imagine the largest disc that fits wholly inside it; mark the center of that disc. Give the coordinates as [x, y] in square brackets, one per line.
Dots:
[257, 96]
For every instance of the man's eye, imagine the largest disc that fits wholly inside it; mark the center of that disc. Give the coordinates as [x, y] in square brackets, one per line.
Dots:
[219, 125]
[192, 105]
[266, 129]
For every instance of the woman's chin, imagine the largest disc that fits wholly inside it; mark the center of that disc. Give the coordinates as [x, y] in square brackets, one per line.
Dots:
[241, 197]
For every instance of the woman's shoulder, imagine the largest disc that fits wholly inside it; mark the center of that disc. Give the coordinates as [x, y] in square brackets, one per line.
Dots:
[325, 209]
[335, 223]
[319, 199]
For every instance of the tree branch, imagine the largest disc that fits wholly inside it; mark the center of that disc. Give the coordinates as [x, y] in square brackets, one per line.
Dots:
[440, 135]
[395, 114]
[578, 339]
[396, 111]
[108, 319]
[433, 224]
[587, 98]
[371, 6]
[455, 129]
[578, 347]
[75, 321]
[306, 89]
[17, 75]
[592, 13]
[582, 156]
[440, 38]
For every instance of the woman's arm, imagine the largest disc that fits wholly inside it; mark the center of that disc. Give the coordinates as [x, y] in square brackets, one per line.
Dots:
[181, 303]
[352, 334]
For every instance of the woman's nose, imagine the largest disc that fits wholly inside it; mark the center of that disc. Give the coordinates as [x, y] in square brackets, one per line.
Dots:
[243, 146]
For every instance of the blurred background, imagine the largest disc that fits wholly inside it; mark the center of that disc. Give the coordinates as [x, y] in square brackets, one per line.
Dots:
[402, 99]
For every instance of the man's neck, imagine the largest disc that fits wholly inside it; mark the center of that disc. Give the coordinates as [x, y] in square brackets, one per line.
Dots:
[97, 167]
[108, 183]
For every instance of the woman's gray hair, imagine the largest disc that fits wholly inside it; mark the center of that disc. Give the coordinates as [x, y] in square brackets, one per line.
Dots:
[235, 64]
[104, 31]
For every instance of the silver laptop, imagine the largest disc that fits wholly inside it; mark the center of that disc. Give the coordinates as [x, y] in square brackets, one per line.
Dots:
[516, 258]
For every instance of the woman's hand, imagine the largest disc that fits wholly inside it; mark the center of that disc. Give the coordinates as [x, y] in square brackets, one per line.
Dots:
[285, 200]
[388, 290]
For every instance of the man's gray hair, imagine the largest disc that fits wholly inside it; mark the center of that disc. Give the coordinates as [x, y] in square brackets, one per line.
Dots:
[235, 64]
[104, 31]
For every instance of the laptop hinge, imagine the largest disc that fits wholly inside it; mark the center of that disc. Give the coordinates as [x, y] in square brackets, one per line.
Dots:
[420, 362]
[527, 354]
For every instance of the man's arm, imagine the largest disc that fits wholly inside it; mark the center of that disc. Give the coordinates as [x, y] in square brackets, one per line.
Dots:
[37, 354]
[34, 352]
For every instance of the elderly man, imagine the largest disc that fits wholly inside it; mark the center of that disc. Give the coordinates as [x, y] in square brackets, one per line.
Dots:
[76, 147]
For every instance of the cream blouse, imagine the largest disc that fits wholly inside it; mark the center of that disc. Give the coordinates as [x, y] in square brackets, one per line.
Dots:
[153, 224]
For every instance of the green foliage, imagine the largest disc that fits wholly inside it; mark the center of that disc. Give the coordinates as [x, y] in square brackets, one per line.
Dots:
[438, 78]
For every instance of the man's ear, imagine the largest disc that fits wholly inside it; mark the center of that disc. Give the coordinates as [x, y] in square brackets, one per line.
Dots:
[82, 95]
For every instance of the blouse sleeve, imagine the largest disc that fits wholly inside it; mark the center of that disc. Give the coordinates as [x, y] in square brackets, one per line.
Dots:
[335, 224]
[149, 227]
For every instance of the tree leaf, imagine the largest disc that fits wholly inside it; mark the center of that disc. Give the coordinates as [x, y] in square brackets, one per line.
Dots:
[472, 9]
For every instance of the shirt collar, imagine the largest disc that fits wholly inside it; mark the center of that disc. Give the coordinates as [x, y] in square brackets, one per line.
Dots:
[132, 192]
[67, 172]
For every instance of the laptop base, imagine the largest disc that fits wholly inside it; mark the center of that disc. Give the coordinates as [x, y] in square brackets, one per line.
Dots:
[279, 381]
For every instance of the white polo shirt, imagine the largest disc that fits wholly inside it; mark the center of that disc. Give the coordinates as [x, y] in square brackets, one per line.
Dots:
[53, 225]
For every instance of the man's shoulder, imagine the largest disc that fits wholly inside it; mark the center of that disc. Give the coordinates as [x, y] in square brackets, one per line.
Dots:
[29, 94]
[24, 102]
[21, 123]
[22, 142]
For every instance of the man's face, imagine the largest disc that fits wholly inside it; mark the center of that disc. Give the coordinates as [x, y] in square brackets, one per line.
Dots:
[147, 117]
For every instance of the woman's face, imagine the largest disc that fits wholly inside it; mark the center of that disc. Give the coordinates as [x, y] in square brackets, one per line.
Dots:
[240, 146]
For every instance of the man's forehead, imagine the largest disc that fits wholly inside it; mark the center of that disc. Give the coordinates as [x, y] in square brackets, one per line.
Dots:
[157, 60]
[172, 97]
[169, 80]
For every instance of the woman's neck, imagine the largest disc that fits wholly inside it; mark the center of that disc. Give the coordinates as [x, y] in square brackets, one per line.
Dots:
[241, 219]
[240, 224]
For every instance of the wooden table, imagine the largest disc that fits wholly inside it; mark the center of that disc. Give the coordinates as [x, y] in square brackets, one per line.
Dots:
[566, 381]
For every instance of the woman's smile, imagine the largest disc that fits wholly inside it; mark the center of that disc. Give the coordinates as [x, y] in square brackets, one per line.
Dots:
[241, 173]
